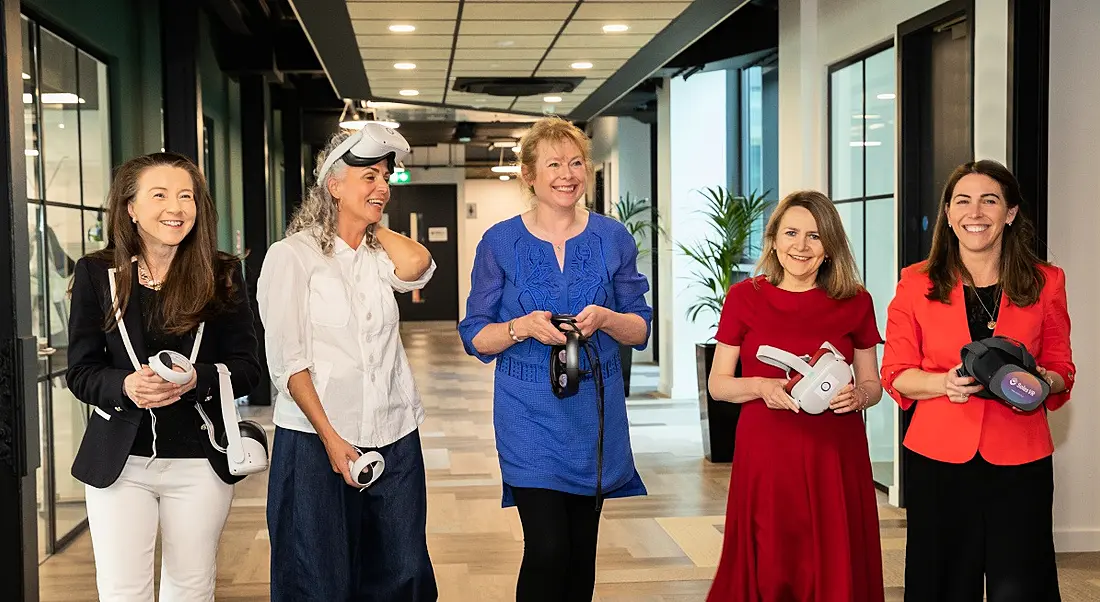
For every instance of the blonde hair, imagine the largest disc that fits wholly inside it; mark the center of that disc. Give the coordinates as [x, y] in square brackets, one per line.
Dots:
[319, 213]
[550, 129]
[838, 274]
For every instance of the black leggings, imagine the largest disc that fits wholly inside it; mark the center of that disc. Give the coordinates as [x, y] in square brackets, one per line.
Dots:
[559, 545]
[974, 520]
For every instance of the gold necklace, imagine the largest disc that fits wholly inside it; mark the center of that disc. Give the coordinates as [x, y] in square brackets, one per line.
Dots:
[992, 323]
[146, 279]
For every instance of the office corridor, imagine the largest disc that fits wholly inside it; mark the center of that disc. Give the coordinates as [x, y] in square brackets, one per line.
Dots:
[663, 547]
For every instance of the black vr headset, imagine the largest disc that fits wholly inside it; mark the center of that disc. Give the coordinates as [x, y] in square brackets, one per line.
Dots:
[1006, 371]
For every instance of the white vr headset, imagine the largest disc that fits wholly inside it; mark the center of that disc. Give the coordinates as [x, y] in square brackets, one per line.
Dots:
[366, 147]
[818, 379]
[244, 442]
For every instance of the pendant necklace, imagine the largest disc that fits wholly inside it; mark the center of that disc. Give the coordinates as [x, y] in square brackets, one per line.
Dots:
[147, 279]
[992, 323]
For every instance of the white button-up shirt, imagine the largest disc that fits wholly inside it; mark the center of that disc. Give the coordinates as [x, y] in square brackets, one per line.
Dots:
[337, 317]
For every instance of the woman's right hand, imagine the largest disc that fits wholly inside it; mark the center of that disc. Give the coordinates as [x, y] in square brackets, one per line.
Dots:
[959, 388]
[537, 325]
[775, 397]
[148, 390]
[340, 456]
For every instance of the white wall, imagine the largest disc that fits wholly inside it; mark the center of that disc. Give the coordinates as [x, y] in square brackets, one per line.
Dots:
[495, 201]
[635, 177]
[1072, 213]
[664, 208]
[604, 132]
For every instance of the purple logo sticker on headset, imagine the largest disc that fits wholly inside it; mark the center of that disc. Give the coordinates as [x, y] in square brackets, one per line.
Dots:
[1021, 387]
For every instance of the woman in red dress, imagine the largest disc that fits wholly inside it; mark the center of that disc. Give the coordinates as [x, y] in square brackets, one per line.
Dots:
[802, 520]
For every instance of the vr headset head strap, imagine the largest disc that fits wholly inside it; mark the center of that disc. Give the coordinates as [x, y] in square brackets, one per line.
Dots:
[784, 360]
[371, 144]
[1013, 348]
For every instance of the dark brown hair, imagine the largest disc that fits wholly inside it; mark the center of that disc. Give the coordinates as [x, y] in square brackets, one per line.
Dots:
[200, 280]
[838, 275]
[1019, 273]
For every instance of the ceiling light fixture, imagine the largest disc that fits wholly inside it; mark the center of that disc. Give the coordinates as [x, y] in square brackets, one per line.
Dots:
[26, 76]
[505, 178]
[409, 92]
[581, 65]
[402, 28]
[886, 96]
[551, 99]
[405, 66]
[515, 149]
[506, 168]
[615, 28]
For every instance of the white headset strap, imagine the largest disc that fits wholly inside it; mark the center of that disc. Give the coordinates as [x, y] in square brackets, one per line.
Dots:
[230, 418]
[118, 321]
[784, 360]
[126, 335]
[830, 347]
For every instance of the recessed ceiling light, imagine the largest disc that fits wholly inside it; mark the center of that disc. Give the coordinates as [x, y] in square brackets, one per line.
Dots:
[26, 76]
[402, 28]
[505, 43]
[404, 66]
[505, 178]
[515, 149]
[615, 28]
[409, 92]
[581, 65]
[551, 99]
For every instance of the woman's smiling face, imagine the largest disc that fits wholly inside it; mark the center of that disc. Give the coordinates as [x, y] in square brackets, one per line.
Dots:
[798, 244]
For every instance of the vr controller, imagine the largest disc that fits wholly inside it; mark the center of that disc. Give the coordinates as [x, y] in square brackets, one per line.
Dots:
[244, 442]
[367, 468]
[1006, 371]
[565, 360]
[818, 379]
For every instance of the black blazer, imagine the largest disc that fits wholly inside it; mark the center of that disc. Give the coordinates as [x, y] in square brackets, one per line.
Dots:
[98, 364]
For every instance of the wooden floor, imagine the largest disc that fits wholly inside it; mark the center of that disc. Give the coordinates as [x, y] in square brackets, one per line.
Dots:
[662, 547]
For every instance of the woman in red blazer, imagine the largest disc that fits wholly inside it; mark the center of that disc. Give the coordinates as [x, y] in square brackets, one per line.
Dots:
[980, 484]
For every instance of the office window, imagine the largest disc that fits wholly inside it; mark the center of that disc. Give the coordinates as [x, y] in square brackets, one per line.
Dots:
[861, 183]
[67, 150]
[759, 144]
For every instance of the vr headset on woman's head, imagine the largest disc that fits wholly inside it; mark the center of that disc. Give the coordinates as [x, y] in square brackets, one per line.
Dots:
[1006, 371]
[367, 147]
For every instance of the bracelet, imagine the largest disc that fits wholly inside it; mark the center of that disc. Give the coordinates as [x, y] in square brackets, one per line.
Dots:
[512, 330]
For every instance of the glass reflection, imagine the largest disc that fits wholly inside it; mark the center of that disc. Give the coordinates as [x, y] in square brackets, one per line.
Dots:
[31, 147]
[95, 143]
[70, 418]
[60, 127]
[64, 244]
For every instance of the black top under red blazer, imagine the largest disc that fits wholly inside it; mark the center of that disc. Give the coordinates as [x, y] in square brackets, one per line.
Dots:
[98, 364]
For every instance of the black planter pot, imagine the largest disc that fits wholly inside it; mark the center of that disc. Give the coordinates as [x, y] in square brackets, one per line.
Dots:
[626, 357]
[718, 419]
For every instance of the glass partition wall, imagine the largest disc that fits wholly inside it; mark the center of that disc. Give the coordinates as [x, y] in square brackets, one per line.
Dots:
[68, 159]
[861, 183]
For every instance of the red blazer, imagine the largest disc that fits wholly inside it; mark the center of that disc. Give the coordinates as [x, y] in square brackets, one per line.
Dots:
[928, 335]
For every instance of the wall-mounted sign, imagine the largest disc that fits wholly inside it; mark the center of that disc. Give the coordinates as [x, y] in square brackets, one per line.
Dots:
[437, 234]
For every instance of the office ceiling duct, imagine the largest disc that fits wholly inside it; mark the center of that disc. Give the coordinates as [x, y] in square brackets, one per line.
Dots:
[516, 86]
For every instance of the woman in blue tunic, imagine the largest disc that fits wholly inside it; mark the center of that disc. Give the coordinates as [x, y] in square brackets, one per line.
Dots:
[557, 259]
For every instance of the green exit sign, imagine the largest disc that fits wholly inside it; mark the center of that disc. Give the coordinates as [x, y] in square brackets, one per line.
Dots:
[400, 177]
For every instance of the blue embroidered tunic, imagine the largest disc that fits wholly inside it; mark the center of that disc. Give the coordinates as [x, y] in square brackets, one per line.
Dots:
[543, 441]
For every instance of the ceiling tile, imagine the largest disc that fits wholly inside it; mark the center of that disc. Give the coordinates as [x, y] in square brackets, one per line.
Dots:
[476, 72]
[518, 11]
[637, 26]
[495, 42]
[572, 40]
[556, 71]
[618, 11]
[406, 55]
[593, 55]
[372, 63]
[514, 28]
[492, 65]
[380, 27]
[498, 54]
[402, 11]
[396, 41]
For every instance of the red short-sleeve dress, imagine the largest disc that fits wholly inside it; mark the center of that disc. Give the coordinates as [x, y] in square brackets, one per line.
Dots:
[801, 520]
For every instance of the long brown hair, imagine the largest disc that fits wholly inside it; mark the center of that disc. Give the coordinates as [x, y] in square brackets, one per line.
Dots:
[838, 275]
[200, 280]
[1019, 273]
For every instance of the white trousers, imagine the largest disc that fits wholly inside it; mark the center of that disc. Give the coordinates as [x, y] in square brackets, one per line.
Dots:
[190, 504]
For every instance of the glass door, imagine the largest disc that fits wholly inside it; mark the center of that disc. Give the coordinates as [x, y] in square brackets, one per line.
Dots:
[67, 153]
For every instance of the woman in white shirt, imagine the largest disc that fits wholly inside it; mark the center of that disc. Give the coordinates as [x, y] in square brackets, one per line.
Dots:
[326, 299]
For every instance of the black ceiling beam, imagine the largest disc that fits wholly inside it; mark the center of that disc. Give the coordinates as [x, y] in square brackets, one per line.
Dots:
[696, 20]
[332, 37]
[231, 14]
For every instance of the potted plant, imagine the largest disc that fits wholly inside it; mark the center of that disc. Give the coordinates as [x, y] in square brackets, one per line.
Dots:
[718, 258]
[641, 220]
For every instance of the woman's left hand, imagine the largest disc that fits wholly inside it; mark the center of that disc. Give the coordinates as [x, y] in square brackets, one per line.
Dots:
[849, 399]
[592, 318]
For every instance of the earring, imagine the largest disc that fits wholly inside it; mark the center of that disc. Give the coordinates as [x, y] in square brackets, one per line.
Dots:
[134, 219]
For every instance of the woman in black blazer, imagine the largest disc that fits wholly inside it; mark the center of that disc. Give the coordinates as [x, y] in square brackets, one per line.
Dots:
[146, 457]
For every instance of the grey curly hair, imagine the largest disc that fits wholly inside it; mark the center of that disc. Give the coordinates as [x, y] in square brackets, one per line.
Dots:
[319, 211]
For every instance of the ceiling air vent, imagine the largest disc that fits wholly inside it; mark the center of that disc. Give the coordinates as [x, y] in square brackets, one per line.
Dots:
[516, 86]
